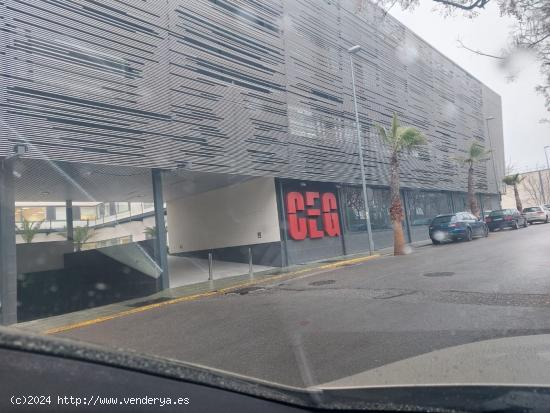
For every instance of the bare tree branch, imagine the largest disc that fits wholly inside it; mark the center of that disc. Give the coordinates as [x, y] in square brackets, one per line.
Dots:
[479, 52]
[478, 4]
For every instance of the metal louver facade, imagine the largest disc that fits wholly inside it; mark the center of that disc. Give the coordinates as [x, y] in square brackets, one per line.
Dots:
[236, 87]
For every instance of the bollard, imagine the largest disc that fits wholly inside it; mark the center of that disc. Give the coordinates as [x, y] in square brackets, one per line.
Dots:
[210, 269]
[250, 267]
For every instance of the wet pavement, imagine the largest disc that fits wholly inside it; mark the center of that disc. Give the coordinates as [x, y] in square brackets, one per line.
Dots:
[340, 322]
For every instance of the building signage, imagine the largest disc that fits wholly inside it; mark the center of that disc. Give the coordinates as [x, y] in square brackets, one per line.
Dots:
[304, 211]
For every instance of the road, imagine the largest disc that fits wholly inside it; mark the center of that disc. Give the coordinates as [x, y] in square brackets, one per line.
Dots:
[335, 323]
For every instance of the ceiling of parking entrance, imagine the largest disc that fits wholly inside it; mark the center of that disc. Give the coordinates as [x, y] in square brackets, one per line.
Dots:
[46, 181]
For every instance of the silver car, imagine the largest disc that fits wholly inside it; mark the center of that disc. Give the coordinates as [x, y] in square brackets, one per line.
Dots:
[537, 214]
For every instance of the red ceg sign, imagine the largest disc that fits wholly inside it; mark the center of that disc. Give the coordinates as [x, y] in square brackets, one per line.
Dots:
[302, 215]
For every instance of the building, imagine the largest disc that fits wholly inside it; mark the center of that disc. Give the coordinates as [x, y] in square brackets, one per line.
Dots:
[110, 223]
[534, 190]
[239, 117]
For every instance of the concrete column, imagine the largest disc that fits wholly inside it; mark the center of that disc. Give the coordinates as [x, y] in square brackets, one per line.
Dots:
[70, 219]
[282, 221]
[8, 262]
[161, 253]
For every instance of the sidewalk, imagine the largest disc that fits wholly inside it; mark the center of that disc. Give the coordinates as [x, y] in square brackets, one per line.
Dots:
[64, 322]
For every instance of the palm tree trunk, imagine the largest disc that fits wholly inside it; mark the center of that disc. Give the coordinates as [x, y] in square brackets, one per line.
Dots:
[474, 209]
[396, 210]
[519, 206]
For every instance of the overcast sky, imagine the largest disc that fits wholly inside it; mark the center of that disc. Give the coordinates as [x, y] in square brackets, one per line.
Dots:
[524, 136]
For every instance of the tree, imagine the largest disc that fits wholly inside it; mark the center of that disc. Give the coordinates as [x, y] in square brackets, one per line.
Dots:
[151, 232]
[476, 153]
[80, 236]
[536, 187]
[398, 139]
[29, 230]
[514, 180]
[531, 31]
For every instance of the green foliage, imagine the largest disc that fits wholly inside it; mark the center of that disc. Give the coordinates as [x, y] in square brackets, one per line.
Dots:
[29, 230]
[476, 153]
[151, 232]
[514, 179]
[401, 138]
[80, 235]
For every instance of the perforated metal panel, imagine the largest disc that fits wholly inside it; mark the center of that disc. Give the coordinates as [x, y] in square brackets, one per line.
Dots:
[234, 86]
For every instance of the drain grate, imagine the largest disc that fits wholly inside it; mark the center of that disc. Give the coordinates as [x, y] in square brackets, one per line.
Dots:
[246, 290]
[439, 274]
[322, 282]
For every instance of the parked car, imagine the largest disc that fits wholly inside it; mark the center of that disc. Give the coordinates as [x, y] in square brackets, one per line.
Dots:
[505, 218]
[537, 214]
[461, 225]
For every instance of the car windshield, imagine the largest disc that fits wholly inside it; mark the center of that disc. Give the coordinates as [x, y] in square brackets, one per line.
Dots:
[444, 219]
[251, 186]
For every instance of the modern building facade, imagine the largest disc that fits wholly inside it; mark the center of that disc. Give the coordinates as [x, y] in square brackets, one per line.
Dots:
[244, 110]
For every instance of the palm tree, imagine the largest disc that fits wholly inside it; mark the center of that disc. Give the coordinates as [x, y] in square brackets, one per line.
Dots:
[476, 153]
[80, 236]
[514, 180]
[151, 232]
[398, 139]
[29, 229]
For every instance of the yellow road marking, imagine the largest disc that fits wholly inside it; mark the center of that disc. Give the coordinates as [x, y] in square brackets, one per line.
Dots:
[206, 294]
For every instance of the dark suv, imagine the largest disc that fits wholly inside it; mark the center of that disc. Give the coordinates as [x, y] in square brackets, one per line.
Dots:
[505, 218]
[461, 225]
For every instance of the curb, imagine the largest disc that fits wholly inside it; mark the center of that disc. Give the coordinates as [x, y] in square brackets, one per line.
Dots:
[219, 292]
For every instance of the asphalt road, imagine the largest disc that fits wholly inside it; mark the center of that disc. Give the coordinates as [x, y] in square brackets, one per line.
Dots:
[336, 323]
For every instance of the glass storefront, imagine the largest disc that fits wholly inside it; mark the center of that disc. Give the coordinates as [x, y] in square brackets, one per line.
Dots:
[460, 201]
[422, 207]
[356, 225]
[490, 202]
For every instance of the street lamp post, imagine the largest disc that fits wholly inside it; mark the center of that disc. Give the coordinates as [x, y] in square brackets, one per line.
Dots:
[548, 171]
[487, 119]
[352, 50]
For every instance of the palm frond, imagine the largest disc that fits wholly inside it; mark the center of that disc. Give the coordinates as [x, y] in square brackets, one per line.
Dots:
[401, 137]
[477, 152]
[513, 179]
[410, 138]
[382, 132]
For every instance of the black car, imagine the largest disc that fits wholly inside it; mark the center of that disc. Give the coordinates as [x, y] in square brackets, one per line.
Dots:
[461, 225]
[505, 218]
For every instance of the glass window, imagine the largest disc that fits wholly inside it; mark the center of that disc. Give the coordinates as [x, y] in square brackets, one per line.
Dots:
[424, 206]
[88, 213]
[33, 214]
[60, 214]
[444, 219]
[148, 205]
[354, 210]
[122, 207]
[460, 201]
[490, 202]
[18, 216]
